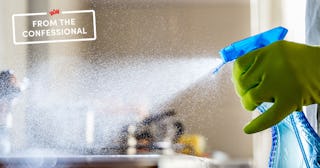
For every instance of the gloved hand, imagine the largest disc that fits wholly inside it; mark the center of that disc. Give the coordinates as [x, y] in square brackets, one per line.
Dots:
[285, 73]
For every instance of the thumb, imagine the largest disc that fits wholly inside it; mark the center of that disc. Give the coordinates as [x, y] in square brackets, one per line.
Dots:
[272, 116]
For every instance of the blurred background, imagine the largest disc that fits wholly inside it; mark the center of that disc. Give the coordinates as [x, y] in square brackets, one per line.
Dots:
[149, 57]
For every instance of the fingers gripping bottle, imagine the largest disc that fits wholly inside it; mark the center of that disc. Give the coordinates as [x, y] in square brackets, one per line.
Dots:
[294, 141]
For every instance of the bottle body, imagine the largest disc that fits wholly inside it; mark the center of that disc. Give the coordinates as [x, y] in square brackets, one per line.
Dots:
[294, 142]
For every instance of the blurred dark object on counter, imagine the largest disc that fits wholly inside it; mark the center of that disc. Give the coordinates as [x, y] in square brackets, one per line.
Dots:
[8, 85]
[152, 134]
[160, 133]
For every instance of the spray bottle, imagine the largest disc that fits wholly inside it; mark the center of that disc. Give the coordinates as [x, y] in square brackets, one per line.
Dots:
[294, 141]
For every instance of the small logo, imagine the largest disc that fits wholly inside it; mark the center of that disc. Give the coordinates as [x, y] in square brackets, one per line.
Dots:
[54, 12]
[68, 27]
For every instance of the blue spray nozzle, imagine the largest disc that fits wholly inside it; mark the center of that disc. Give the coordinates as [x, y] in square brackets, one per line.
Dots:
[254, 42]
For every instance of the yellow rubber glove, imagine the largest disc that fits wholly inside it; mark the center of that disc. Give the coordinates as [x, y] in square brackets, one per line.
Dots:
[285, 73]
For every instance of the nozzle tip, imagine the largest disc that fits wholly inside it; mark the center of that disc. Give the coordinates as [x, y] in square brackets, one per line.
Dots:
[216, 69]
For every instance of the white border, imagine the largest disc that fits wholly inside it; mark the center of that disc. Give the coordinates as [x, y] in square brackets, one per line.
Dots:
[55, 41]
